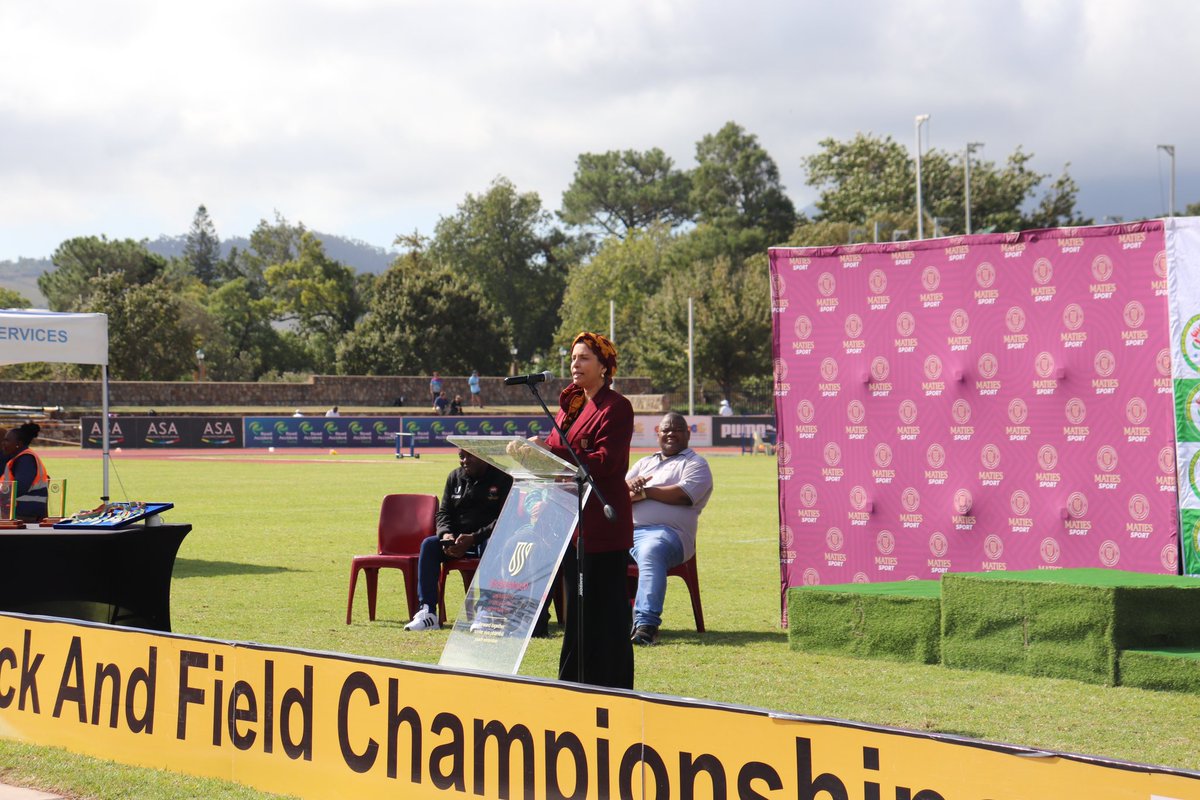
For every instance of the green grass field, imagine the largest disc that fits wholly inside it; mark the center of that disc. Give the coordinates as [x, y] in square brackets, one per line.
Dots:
[268, 561]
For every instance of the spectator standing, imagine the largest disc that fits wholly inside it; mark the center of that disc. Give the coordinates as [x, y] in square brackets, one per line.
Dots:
[476, 389]
[435, 386]
[726, 410]
[669, 489]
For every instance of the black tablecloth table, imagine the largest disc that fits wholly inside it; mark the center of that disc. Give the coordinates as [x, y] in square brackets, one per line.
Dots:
[120, 577]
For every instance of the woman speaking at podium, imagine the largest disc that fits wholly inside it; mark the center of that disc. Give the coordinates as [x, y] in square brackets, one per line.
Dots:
[599, 427]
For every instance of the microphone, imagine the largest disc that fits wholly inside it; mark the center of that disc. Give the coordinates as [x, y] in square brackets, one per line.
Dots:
[539, 377]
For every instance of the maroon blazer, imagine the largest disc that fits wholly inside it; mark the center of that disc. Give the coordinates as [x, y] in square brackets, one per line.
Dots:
[600, 437]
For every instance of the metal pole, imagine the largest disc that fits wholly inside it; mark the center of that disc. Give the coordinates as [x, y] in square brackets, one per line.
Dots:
[919, 120]
[691, 361]
[612, 317]
[104, 423]
[1170, 150]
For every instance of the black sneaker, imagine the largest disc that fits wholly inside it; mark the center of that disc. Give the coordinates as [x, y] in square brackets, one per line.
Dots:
[645, 635]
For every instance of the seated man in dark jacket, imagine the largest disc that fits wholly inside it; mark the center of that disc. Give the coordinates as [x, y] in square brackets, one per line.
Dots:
[474, 495]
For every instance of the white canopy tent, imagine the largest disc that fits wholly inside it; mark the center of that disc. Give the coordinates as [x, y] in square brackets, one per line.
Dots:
[62, 338]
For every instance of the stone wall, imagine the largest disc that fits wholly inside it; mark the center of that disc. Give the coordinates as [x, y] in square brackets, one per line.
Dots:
[320, 391]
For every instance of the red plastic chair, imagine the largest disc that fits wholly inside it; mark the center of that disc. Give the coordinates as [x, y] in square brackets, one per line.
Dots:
[467, 567]
[405, 520]
[687, 571]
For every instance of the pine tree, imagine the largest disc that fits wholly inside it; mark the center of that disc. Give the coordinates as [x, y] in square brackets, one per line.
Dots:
[203, 249]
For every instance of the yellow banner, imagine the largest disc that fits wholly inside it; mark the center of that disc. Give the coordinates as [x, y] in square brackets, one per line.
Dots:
[318, 725]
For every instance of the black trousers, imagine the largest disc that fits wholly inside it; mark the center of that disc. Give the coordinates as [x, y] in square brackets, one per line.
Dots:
[607, 649]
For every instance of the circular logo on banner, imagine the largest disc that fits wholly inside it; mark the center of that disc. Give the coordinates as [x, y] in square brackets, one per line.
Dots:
[938, 544]
[993, 546]
[781, 370]
[1160, 263]
[933, 368]
[961, 411]
[931, 279]
[785, 535]
[806, 411]
[808, 495]
[1192, 405]
[1193, 474]
[988, 366]
[877, 281]
[1102, 268]
[1047, 457]
[883, 455]
[1163, 362]
[858, 498]
[906, 323]
[1135, 411]
[935, 456]
[959, 321]
[834, 539]
[1106, 458]
[1105, 363]
[833, 454]
[879, 368]
[985, 275]
[1044, 365]
[783, 452]
[1077, 505]
[1072, 317]
[1189, 343]
[963, 502]
[856, 411]
[829, 369]
[1015, 319]
[777, 285]
[1018, 412]
[854, 326]
[908, 412]
[811, 577]
[1169, 557]
[1166, 460]
[1076, 411]
[1135, 314]
[1049, 550]
[910, 498]
[803, 327]
[1110, 553]
[989, 456]
[1139, 507]
[885, 542]
[826, 284]
[1043, 271]
[860, 577]
[1019, 502]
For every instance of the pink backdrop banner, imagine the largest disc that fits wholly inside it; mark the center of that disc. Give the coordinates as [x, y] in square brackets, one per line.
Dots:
[992, 402]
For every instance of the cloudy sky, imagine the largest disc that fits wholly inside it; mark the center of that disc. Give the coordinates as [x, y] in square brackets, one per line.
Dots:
[371, 118]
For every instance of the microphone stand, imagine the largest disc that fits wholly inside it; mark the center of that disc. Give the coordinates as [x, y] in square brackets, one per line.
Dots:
[581, 477]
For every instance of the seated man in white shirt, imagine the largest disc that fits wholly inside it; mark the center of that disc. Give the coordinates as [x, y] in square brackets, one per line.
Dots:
[669, 489]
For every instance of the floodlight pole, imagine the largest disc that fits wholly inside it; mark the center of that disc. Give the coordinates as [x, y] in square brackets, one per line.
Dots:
[920, 120]
[1169, 149]
[971, 148]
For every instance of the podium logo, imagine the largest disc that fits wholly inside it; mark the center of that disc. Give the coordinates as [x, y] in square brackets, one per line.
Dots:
[1076, 411]
[1077, 505]
[885, 542]
[1018, 412]
[519, 558]
[833, 454]
[834, 539]
[1019, 502]
[906, 323]
[1102, 268]
[985, 275]
[883, 455]
[808, 495]
[1139, 507]
[935, 456]
[856, 411]
[1110, 553]
[1049, 550]
[908, 412]
[938, 545]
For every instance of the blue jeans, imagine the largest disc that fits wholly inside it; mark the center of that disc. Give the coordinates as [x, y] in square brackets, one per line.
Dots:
[429, 569]
[656, 549]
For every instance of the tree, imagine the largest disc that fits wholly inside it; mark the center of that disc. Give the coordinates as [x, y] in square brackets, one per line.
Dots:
[146, 340]
[245, 344]
[318, 295]
[736, 187]
[504, 241]
[78, 261]
[618, 192]
[425, 317]
[12, 299]
[202, 249]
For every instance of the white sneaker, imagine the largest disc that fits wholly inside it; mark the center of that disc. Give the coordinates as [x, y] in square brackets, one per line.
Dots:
[423, 620]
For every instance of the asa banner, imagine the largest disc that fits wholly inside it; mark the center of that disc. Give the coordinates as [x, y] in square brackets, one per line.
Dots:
[977, 403]
[321, 431]
[321, 725]
[163, 432]
[1183, 279]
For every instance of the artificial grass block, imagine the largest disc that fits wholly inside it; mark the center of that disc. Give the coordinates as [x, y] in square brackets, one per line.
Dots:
[1064, 623]
[1175, 670]
[898, 621]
